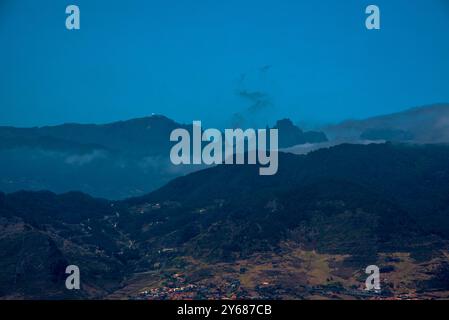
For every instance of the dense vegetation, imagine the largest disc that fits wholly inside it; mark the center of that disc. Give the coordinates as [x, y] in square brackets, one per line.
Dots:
[350, 199]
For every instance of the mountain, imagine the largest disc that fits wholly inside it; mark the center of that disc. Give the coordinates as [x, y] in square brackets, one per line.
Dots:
[308, 231]
[346, 174]
[146, 136]
[428, 124]
[290, 135]
[114, 161]
[42, 233]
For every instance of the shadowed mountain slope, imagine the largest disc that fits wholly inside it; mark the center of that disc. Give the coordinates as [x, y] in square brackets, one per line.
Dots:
[352, 201]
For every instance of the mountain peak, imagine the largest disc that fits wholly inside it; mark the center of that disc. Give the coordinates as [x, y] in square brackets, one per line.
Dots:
[291, 135]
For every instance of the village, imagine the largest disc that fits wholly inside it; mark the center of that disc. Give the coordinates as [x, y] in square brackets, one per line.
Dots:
[176, 287]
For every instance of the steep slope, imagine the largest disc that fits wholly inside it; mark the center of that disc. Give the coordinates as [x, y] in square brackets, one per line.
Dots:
[410, 182]
[42, 233]
[317, 223]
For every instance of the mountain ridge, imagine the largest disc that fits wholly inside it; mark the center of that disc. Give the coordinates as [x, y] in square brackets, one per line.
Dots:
[425, 124]
[114, 160]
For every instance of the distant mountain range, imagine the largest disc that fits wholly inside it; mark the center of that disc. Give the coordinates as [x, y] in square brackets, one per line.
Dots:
[428, 124]
[422, 125]
[115, 161]
[131, 158]
[225, 231]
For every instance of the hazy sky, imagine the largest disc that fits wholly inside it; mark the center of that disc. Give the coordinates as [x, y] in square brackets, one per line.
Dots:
[312, 61]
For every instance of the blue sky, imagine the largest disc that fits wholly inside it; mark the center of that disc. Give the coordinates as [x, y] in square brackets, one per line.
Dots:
[189, 60]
